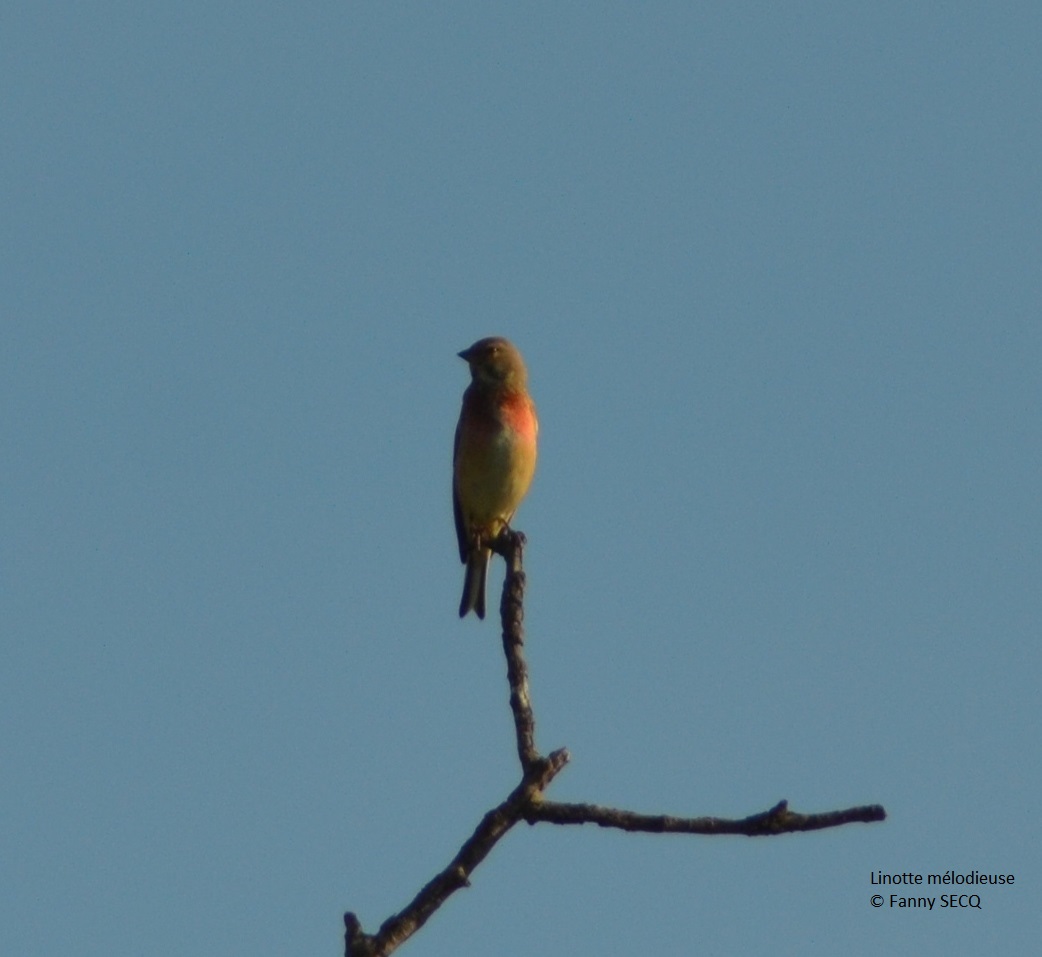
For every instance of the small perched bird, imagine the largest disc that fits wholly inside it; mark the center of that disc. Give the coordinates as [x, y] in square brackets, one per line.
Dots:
[493, 459]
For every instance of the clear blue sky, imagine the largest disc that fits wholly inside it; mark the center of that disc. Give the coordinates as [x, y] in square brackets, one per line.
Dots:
[776, 273]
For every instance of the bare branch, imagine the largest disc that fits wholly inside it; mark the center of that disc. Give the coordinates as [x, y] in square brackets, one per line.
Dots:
[527, 803]
[778, 820]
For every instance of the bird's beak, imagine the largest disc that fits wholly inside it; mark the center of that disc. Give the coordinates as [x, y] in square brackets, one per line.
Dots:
[464, 355]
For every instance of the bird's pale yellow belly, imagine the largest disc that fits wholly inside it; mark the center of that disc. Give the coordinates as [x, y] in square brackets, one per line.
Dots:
[493, 481]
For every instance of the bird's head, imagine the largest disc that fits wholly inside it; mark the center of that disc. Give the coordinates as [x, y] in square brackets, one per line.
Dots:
[496, 363]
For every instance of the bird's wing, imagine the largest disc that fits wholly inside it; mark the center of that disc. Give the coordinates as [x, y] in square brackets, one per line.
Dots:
[457, 512]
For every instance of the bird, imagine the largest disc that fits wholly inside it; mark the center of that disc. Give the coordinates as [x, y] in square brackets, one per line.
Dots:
[493, 457]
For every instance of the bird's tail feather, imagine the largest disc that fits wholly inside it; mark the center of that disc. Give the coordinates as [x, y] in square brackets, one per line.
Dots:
[474, 583]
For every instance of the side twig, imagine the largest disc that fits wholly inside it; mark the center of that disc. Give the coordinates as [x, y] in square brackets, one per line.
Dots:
[778, 820]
